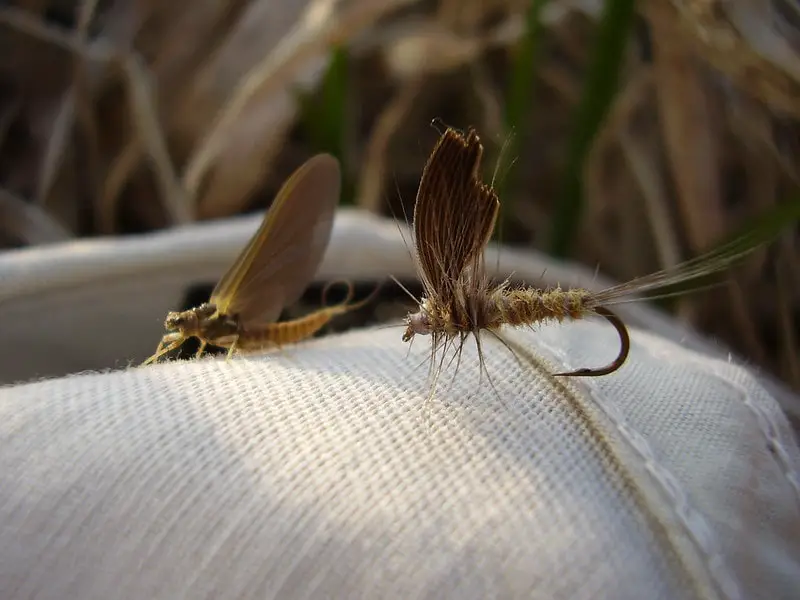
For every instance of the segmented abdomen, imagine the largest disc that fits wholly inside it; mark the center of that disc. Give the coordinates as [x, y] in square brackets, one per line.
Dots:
[288, 332]
[527, 306]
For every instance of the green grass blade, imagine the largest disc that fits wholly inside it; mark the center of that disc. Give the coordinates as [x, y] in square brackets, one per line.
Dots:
[599, 90]
[519, 96]
[323, 116]
[517, 113]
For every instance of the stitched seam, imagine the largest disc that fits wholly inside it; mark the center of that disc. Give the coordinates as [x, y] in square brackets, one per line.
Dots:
[766, 423]
[693, 521]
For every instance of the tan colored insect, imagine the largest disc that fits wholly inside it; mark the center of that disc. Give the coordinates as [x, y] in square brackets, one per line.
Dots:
[271, 272]
[454, 217]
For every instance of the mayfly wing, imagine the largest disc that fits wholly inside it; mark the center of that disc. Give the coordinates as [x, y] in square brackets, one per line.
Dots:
[455, 212]
[284, 254]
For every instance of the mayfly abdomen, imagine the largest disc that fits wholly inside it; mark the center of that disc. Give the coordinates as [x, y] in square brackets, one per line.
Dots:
[288, 332]
[527, 306]
[294, 331]
[297, 330]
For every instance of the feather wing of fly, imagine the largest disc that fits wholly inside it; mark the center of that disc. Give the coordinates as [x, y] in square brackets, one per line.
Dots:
[274, 269]
[454, 214]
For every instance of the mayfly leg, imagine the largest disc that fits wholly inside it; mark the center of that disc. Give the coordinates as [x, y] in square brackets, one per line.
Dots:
[232, 348]
[161, 350]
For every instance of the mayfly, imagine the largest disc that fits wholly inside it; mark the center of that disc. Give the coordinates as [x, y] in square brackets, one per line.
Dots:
[454, 217]
[271, 273]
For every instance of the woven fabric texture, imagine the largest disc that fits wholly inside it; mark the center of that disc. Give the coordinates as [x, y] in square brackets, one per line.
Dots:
[320, 471]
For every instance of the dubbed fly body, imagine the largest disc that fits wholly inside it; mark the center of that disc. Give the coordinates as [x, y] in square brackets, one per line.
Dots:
[454, 218]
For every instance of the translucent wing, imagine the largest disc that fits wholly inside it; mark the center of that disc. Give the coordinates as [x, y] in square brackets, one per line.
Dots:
[455, 212]
[283, 256]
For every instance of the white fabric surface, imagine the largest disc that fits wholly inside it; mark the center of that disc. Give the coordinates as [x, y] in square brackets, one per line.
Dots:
[314, 473]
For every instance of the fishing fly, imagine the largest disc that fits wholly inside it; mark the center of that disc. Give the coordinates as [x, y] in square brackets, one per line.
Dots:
[271, 273]
[454, 217]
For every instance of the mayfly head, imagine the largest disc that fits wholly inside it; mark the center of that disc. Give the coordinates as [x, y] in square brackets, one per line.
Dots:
[191, 321]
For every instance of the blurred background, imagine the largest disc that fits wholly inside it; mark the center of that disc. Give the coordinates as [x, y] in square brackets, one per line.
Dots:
[626, 136]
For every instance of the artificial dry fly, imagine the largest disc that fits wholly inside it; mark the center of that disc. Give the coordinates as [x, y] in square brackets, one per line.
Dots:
[271, 273]
[454, 217]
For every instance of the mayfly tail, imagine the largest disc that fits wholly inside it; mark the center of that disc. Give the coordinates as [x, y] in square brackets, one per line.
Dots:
[625, 346]
[347, 304]
[695, 268]
[622, 297]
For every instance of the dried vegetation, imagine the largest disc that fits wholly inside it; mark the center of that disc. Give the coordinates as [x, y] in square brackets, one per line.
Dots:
[121, 116]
